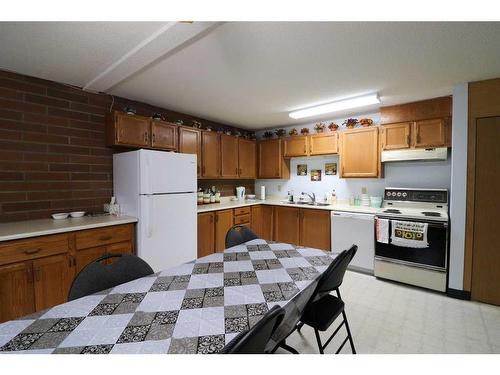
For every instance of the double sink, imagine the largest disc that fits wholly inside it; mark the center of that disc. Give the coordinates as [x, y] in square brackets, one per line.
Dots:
[300, 203]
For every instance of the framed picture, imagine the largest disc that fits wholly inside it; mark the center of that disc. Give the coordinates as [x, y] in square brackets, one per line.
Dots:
[330, 169]
[301, 169]
[315, 174]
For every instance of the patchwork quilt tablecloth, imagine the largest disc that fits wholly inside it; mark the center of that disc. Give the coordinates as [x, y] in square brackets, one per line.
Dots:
[196, 307]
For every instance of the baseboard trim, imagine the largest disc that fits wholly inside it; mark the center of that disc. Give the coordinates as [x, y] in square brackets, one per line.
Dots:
[459, 294]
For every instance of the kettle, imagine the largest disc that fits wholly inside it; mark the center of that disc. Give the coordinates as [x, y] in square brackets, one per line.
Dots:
[240, 193]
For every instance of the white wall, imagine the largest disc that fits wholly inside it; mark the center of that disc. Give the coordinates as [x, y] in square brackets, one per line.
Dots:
[458, 185]
[418, 174]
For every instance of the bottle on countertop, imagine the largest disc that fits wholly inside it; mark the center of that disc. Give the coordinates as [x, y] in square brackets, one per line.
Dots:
[290, 197]
[206, 197]
[333, 199]
[200, 196]
[217, 196]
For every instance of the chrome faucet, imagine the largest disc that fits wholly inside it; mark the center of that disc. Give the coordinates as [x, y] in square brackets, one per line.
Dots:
[311, 196]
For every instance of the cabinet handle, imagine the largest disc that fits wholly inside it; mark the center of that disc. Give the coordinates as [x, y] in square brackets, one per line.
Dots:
[203, 170]
[211, 219]
[154, 137]
[408, 139]
[236, 170]
[29, 272]
[70, 261]
[145, 136]
[105, 238]
[216, 218]
[32, 251]
[74, 261]
[37, 274]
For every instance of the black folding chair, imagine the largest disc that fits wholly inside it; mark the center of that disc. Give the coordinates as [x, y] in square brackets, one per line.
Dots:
[100, 275]
[255, 340]
[324, 308]
[239, 234]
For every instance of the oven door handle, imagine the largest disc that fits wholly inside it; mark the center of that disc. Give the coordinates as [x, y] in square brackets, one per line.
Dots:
[431, 224]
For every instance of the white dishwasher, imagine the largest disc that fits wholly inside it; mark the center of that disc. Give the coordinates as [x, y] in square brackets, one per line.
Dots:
[351, 228]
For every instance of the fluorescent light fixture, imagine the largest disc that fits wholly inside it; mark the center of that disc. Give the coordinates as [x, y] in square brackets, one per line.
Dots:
[340, 105]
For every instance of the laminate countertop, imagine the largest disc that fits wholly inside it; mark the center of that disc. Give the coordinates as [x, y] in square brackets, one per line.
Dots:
[339, 206]
[42, 227]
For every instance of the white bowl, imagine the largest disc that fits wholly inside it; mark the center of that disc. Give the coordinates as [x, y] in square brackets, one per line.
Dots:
[77, 213]
[61, 215]
[250, 196]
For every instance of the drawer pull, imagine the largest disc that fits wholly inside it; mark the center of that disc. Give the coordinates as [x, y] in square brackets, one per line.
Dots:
[105, 238]
[31, 251]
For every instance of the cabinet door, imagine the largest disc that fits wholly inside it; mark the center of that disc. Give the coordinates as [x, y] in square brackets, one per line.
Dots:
[17, 297]
[190, 143]
[323, 144]
[85, 256]
[52, 280]
[315, 228]
[229, 155]
[256, 223]
[359, 153]
[132, 130]
[430, 133]
[164, 135]
[267, 230]
[206, 232]
[395, 136]
[270, 155]
[247, 158]
[223, 222]
[295, 146]
[210, 145]
[286, 225]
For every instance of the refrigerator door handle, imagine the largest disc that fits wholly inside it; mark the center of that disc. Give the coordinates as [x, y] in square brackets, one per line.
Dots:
[149, 210]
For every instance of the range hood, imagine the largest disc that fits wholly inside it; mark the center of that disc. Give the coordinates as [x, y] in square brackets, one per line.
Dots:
[439, 153]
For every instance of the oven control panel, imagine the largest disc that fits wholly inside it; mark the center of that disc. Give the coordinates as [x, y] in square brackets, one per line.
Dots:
[410, 195]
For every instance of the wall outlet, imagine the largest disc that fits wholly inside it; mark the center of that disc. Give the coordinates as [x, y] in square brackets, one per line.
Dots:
[279, 188]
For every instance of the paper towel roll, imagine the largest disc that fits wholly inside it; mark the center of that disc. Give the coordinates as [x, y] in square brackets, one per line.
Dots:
[263, 192]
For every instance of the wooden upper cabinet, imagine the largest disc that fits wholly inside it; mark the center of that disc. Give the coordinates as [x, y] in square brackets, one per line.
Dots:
[395, 136]
[210, 146]
[52, 280]
[223, 222]
[229, 155]
[163, 135]
[247, 154]
[126, 130]
[206, 239]
[190, 143]
[287, 225]
[271, 162]
[430, 133]
[296, 146]
[17, 297]
[323, 144]
[315, 229]
[359, 153]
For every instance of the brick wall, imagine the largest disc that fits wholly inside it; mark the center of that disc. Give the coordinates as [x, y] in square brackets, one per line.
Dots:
[228, 187]
[53, 156]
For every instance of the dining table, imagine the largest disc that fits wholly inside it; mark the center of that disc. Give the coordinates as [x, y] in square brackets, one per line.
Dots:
[196, 307]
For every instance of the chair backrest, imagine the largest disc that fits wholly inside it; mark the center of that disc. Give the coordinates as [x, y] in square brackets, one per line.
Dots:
[98, 275]
[239, 234]
[255, 340]
[333, 276]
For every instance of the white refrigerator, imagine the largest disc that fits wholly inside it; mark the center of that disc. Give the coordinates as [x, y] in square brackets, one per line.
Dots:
[159, 188]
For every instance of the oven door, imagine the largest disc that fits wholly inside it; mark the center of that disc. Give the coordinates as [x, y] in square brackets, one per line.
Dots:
[432, 257]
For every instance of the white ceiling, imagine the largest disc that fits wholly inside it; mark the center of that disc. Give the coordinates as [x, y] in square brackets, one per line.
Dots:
[252, 74]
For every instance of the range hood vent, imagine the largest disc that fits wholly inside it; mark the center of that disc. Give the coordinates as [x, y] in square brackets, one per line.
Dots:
[440, 153]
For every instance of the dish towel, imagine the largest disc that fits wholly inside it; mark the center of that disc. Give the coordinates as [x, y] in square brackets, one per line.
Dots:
[382, 230]
[409, 234]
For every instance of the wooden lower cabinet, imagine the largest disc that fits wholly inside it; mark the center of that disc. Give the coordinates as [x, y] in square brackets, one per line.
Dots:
[262, 221]
[17, 297]
[286, 224]
[223, 222]
[315, 229]
[206, 234]
[36, 273]
[52, 279]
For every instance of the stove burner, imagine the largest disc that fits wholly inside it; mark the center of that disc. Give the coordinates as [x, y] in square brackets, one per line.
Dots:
[430, 213]
[392, 211]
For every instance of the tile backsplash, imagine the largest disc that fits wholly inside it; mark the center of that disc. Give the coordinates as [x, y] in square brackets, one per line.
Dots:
[228, 187]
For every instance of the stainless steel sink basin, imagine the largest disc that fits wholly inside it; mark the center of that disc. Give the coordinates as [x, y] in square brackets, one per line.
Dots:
[318, 204]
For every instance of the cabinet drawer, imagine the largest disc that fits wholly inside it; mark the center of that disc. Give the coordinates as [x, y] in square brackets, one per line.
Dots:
[103, 236]
[242, 219]
[30, 248]
[242, 211]
[120, 248]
